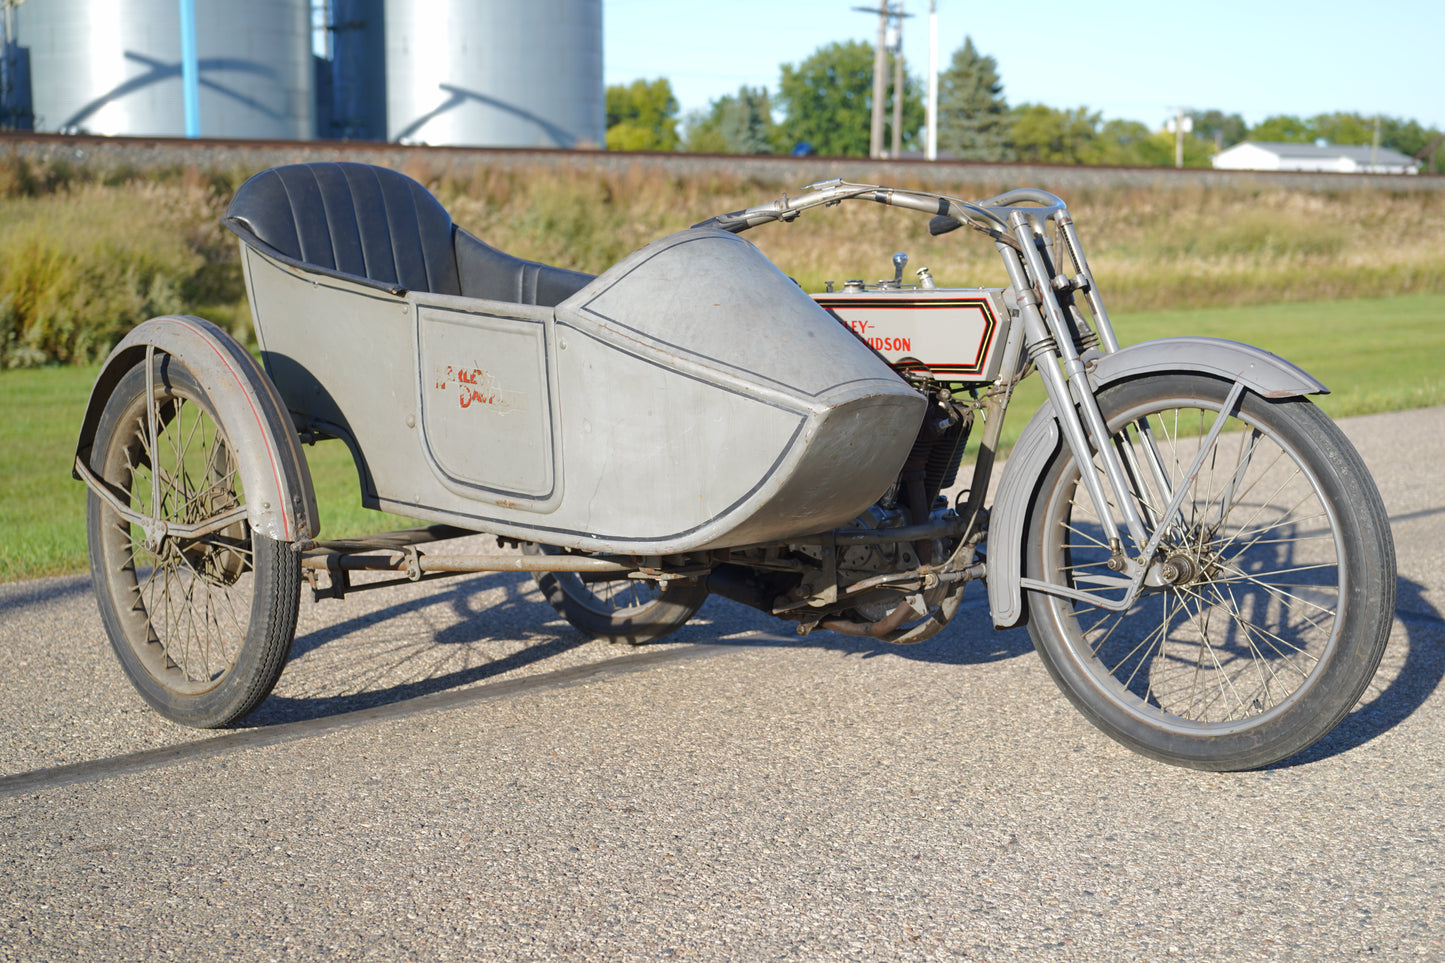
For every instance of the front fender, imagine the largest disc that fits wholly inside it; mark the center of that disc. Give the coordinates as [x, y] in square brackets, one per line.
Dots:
[1263, 373]
[280, 499]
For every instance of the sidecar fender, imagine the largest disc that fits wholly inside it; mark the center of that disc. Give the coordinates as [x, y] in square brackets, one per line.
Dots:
[1264, 373]
[280, 499]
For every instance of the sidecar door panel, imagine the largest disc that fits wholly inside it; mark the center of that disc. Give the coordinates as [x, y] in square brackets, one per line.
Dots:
[486, 405]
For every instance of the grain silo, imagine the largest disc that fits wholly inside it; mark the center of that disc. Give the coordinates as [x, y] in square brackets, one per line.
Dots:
[498, 73]
[114, 67]
[357, 107]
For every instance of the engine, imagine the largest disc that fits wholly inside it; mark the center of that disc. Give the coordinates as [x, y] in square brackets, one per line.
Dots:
[944, 341]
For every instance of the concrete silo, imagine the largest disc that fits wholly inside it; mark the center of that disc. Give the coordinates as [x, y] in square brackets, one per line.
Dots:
[114, 67]
[496, 73]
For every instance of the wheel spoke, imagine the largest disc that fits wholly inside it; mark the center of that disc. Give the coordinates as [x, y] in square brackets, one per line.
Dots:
[1260, 638]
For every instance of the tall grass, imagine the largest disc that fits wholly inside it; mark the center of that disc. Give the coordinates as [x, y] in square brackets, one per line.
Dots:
[82, 261]
[87, 252]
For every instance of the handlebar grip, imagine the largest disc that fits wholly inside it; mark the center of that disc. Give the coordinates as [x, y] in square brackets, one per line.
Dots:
[943, 223]
[929, 204]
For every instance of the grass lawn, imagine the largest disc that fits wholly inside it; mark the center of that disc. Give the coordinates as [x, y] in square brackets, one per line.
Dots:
[42, 510]
[1375, 355]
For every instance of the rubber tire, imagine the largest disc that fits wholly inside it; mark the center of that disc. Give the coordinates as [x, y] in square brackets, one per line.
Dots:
[1366, 603]
[260, 653]
[594, 616]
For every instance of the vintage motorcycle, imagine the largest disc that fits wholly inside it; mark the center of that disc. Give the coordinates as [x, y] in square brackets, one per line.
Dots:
[1201, 557]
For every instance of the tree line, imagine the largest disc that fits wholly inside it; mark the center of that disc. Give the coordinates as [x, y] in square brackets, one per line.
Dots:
[823, 105]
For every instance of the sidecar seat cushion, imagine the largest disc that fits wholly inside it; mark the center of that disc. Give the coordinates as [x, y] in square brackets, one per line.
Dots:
[352, 219]
[486, 272]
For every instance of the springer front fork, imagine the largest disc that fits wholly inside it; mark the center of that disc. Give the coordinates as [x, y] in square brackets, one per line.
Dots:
[1061, 341]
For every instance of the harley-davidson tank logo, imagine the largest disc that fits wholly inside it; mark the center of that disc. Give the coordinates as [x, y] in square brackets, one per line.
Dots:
[952, 336]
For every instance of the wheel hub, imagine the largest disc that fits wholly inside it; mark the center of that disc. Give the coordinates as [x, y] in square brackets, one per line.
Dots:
[1182, 567]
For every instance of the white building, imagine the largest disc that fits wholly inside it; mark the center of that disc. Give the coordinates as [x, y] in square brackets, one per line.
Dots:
[1260, 156]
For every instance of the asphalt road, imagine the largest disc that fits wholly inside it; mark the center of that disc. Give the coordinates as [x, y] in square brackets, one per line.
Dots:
[451, 773]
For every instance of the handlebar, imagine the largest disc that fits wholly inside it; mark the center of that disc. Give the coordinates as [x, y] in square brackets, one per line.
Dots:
[987, 216]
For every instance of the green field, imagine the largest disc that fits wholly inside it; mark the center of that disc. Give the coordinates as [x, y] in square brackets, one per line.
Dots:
[1375, 355]
[42, 510]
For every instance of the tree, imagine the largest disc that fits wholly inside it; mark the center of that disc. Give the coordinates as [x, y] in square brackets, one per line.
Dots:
[1406, 136]
[1346, 129]
[740, 123]
[828, 100]
[973, 117]
[1225, 130]
[1412, 140]
[642, 116]
[1128, 143]
[703, 133]
[1282, 129]
[1044, 135]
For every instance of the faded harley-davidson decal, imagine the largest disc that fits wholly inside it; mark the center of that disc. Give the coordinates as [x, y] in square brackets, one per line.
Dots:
[476, 387]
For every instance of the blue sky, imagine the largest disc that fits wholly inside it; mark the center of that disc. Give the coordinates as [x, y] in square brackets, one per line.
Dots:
[1127, 59]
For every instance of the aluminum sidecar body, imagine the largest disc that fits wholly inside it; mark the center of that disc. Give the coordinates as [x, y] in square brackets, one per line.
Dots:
[689, 397]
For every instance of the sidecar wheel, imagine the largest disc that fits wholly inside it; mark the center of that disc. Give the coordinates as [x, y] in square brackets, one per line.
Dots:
[202, 626]
[628, 610]
[1274, 590]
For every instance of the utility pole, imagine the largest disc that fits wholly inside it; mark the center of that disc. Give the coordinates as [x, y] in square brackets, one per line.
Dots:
[932, 149]
[898, 82]
[886, 15]
[880, 69]
[1182, 125]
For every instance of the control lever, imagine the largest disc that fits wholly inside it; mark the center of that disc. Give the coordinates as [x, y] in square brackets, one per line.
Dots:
[942, 224]
[900, 261]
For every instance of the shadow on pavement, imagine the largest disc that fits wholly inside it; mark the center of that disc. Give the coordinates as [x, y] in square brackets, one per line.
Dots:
[969, 640]
[1418, 677]
[16, 595]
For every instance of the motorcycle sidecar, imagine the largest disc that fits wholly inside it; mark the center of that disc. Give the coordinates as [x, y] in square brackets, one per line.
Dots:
[689, 397]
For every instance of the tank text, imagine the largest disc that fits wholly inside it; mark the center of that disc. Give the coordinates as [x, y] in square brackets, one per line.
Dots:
[890, 344]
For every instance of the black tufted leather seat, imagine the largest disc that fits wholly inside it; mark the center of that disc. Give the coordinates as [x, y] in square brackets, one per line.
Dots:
[375, 224]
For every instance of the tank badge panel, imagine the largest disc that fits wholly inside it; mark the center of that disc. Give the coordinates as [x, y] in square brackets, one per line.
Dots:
[956, 334]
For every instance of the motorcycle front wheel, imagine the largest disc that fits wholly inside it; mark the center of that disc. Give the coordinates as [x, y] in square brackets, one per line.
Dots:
[616, 608]
[1270, 600]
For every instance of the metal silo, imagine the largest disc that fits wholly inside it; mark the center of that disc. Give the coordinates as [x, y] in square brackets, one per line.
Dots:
[114, 67]
[496, 73]
[358, 70]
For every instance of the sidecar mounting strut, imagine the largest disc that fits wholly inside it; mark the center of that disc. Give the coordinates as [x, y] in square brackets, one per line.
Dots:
[399, 560]
[397, 552]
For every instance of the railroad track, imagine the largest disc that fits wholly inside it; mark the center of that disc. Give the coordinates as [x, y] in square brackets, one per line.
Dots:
[162, 152]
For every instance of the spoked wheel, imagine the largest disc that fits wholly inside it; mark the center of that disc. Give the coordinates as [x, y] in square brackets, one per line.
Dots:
[1268, 604]
[636, 611]
[201, 624]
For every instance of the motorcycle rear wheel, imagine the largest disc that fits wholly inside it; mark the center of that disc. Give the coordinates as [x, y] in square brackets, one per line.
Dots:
[618, 609]
[1280, 588]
